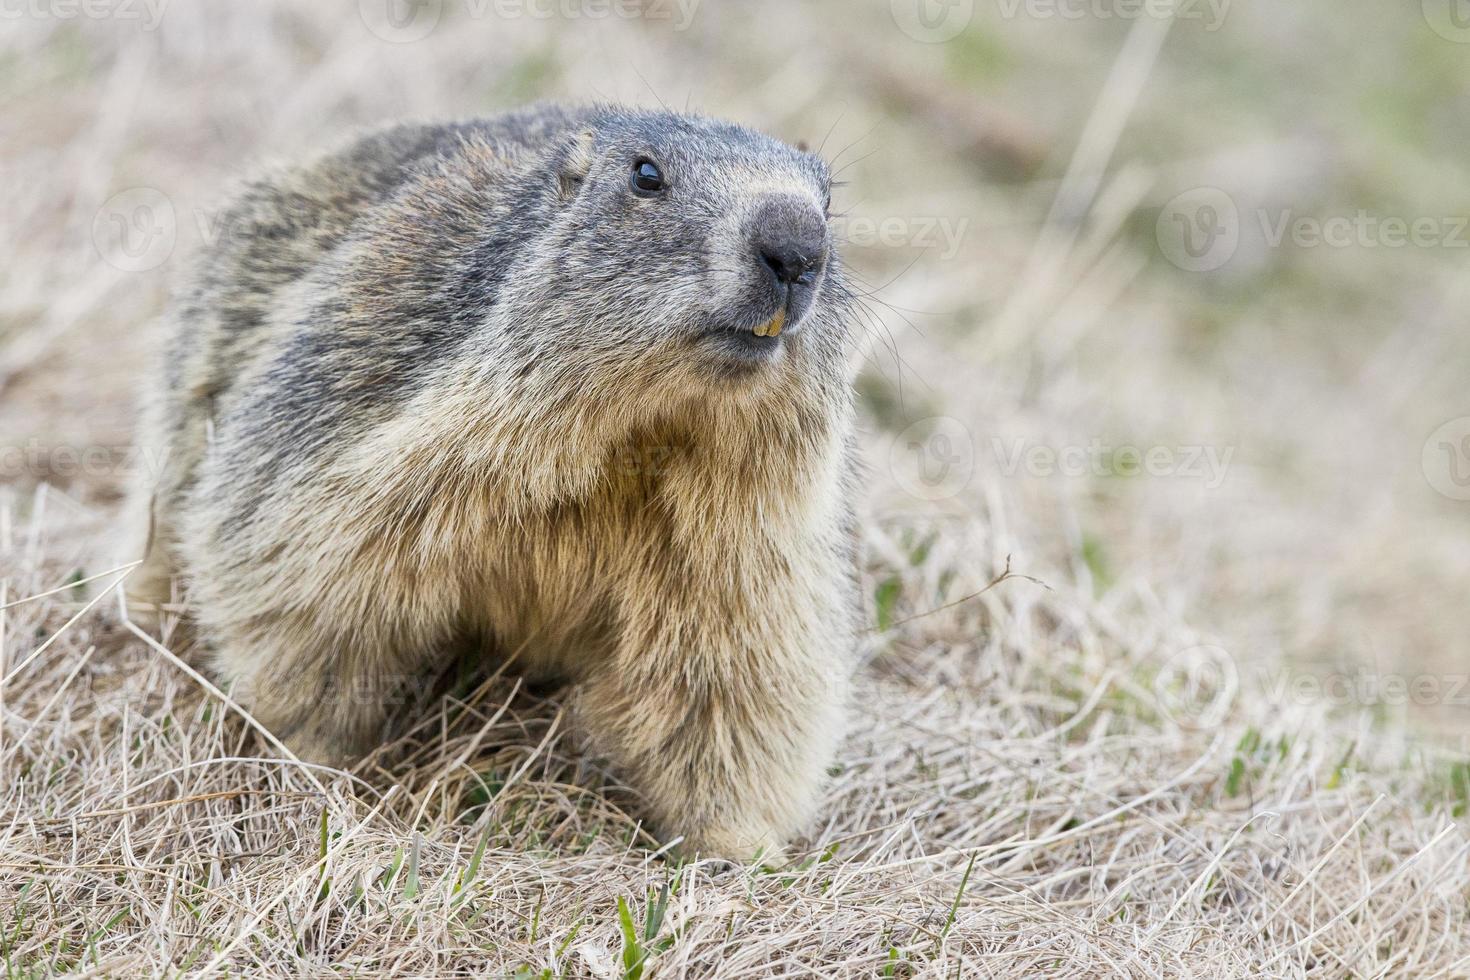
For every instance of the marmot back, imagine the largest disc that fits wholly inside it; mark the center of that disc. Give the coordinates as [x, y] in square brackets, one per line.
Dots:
[572, 381]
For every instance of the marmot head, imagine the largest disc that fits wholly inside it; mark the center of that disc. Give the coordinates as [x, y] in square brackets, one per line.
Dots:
[687, 245]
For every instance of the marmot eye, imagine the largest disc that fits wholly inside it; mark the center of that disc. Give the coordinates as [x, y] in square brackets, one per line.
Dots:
[647, 178]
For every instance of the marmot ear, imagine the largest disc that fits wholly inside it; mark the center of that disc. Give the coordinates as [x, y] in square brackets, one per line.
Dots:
[575, 163]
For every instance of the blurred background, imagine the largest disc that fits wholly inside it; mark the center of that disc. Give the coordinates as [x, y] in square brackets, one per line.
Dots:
[1168, 305]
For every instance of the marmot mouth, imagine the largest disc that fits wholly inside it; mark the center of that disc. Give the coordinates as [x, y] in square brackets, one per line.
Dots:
[752, 344]
[770, 327]
[744, 346]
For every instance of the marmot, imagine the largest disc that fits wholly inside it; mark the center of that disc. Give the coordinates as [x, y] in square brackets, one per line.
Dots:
[574, 382]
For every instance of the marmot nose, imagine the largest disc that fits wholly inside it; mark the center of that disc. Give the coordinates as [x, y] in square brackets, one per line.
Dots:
[790, 239]
[790, 263]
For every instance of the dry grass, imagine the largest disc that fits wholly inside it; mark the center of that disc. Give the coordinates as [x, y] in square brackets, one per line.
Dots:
[1107, 768]
[1017, 800]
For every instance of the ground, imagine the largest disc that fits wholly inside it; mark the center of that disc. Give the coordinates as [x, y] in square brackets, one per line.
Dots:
[1166, 547]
